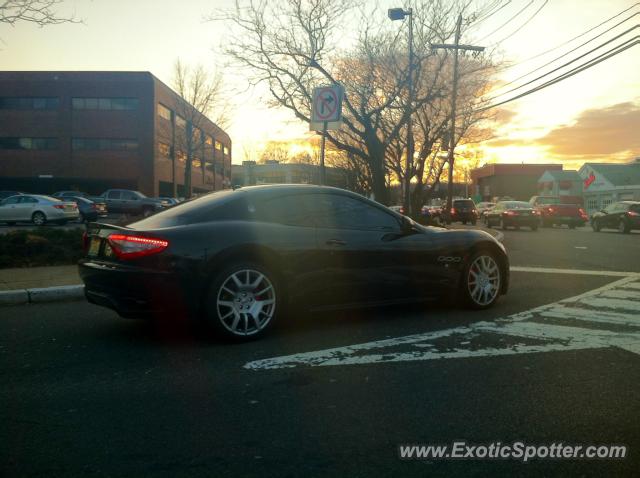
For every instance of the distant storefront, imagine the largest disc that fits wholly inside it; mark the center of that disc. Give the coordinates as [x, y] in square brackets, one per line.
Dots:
[567, 185]
[517, 181]
[273, 172]
[606, 183]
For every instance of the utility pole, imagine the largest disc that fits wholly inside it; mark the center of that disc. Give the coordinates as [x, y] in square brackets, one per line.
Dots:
[400, 14]
[456, 47]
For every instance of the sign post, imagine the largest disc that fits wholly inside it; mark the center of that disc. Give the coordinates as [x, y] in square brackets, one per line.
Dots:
[326, 110]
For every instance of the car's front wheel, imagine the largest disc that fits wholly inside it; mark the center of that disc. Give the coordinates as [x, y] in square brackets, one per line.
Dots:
[241, 302]
[38, 218]
[481, 280]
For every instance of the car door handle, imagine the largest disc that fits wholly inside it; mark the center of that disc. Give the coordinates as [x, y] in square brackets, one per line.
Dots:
[336, 242]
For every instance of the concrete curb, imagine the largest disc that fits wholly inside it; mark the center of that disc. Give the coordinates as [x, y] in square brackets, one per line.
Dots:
[41, 295]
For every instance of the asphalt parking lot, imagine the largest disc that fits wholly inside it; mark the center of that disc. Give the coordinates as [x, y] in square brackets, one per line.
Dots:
[335, 394]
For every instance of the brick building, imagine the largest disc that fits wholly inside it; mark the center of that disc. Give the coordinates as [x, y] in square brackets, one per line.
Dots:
[97, 130]
[519, 181]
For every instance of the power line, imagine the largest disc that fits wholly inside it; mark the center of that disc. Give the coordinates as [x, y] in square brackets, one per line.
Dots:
[508, 21]
[567, 63]
[565, 54]
[572, 39]
[524, 24]
[585, 66]
[491, 13]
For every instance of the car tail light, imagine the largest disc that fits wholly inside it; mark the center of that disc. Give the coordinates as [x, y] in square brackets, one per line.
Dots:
[401, 210]
[131, 247]
[85, 242]
[453, 210]
[93, 206]
[552, 209]
[633, 213]
[59, 206]
[510, 213]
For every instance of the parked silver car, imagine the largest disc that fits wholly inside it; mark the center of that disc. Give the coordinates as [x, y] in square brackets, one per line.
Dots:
[37, 209]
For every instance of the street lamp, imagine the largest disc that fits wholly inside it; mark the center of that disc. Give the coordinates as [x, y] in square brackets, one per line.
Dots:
[401, 14]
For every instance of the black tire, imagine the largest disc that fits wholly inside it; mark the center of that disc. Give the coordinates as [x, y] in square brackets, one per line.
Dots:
[595, 225]
[546, 223]
[220, 323]
[466, 286]
[572, 225]
[623, 227]
[38, 218]
[473, 223]
[503, 226]
[534, 227]
[147, 211]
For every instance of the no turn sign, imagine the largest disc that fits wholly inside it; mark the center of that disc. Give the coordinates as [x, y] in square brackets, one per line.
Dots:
[327, 104]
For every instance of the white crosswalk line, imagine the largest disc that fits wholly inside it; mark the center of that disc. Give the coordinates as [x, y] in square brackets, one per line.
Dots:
[590, 315]
[592, 320]
[621, 294]
[611, 303]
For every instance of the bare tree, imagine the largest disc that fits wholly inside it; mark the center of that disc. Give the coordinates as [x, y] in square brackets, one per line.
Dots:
[275, 151]
[294, 45]
[204, 95]
[39, 12]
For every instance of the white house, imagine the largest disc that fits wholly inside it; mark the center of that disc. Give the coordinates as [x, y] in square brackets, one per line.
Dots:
[605, 183]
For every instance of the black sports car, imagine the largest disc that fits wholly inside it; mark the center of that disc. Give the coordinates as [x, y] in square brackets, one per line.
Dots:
[237, 259]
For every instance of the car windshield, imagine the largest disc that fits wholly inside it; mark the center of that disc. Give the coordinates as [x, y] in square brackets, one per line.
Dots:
[548, 200]
[463, 203]
[517, 205]
[195, 210]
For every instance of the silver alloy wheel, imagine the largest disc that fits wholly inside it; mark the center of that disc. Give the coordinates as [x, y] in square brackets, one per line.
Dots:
[483, 280]
[38, 218]
[246, 302]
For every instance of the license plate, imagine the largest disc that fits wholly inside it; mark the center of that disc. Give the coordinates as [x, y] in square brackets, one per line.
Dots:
[94, 248]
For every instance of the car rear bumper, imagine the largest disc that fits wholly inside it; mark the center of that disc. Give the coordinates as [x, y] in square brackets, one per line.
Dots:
[134, 292]
[527, 221]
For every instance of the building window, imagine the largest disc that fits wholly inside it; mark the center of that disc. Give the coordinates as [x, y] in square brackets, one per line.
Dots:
[209, 141]
[181, 122]
[592, 204]
[181, 156]
[104, 144]
[29, 143]
[104, 103]
[39, 103]
[218, 145]
[164, 149]
[226, 151]
[606, 202]
[164, 112]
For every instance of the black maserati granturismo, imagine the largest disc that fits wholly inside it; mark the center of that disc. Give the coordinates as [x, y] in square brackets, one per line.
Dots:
[238, 259]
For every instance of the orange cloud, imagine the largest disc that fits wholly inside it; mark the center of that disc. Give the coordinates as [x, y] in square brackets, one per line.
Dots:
[609, 131]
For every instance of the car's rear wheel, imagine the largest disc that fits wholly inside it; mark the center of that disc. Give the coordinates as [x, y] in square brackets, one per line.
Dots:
[534, 227]
[38, 218]
[595, 225]
[572, 225]
[503, 226]
[146, 212]
[241, 302]
[482, 280]
[623, 227]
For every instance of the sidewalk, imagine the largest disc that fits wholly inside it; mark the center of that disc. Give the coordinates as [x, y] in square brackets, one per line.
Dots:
[38, 277]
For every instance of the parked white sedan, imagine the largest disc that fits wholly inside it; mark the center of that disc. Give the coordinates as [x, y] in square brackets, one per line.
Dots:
[37, 209]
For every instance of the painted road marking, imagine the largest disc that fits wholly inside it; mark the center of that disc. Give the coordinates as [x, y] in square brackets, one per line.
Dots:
[601, 318]
[547, 270]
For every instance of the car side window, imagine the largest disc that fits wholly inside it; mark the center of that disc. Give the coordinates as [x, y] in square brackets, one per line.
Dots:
[289, 210]
[27, 199]
[129, 196]
[113, 195]
[11, 200]
[338, 211]
[611, 208]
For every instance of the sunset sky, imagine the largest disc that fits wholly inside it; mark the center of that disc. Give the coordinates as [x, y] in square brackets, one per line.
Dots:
[593, 116]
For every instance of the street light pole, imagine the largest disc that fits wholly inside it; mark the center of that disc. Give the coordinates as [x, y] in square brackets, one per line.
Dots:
[454, 96]
[400, 14]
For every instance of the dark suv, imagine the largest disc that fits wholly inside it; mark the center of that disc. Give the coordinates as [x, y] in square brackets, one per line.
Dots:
[125, 201]
[463, 210]
[623, 216]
